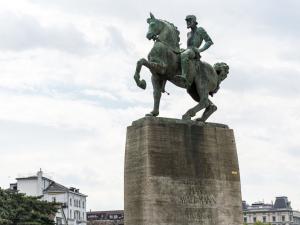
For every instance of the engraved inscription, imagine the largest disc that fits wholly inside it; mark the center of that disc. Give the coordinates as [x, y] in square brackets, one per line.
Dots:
[192, 214]
[202, 200]
[193, 195]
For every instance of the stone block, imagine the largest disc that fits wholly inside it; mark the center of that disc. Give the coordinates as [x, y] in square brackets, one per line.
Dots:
[181, 173]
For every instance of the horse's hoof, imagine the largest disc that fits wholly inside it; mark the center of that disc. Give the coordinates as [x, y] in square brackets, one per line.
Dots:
[186, 117]
[143, 84]
[152, 114]
[200, 121]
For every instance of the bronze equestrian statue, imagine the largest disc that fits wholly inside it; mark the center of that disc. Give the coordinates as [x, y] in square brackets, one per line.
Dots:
[166, 61]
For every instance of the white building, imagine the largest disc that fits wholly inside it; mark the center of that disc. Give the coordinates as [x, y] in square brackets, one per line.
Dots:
[279, 213]
[73, 207]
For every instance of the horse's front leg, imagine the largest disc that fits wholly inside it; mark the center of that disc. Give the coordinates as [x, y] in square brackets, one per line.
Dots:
[157, 90]
[140, 83]
[154, 67]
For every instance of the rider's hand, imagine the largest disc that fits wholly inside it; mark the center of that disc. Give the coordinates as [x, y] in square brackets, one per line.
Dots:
[197, 50]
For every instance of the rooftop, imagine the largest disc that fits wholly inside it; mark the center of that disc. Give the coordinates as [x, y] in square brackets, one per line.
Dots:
[281, 203]
[54, 187]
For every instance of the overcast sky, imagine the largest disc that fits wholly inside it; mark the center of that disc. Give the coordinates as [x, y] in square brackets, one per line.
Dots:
[67, 92]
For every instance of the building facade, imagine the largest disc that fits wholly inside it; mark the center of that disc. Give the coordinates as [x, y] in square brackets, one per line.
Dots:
[114, 217]
[72, 209]
[279, 213]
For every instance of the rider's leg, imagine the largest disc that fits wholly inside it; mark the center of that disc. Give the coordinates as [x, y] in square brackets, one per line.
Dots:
[186, 56]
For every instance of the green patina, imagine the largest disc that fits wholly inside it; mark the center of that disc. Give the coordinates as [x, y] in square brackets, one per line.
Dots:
[182, 67]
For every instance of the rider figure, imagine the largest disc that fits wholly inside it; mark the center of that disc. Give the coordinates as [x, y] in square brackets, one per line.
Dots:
[194, 40]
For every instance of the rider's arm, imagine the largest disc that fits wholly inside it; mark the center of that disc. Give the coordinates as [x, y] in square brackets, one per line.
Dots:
[207, 39]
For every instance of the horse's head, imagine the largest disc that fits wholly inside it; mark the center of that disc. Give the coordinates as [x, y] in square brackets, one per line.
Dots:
[155, 27]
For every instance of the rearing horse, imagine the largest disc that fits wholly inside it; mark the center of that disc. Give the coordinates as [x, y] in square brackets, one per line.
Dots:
[164, 64]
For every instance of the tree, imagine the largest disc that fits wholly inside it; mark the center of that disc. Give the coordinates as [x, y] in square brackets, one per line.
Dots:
[18, 209]
[261, 223]
[258, 223]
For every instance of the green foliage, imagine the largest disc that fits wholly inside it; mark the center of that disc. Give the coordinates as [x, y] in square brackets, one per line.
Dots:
[261, 223]
[258, 223]
[18, 209]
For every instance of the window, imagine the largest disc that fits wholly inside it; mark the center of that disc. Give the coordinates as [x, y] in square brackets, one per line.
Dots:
[53, 199]
[58, 221]
[254, 219]
[274, 218]
[79, 203]
[264, 219]
[70, 213]
[283, 218]
[82, 204]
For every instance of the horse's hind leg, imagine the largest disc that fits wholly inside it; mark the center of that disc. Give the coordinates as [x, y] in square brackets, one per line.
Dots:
[192, 112]
[203, 102]
[157, 89]
[210, 109]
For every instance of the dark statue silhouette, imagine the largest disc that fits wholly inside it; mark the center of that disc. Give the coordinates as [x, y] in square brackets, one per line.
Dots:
[166, 64]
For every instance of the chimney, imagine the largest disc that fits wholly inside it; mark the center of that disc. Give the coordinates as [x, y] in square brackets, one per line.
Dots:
[40, 187]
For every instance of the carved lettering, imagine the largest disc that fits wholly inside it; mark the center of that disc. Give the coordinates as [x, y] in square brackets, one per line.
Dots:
[196, 215]
[194, 195]
[202, 200]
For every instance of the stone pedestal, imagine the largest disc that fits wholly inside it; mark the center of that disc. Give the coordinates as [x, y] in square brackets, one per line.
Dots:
[181, 173]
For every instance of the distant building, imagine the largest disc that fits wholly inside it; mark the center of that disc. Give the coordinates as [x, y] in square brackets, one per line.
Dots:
[279, 213]
[73, 203]
[114, 217]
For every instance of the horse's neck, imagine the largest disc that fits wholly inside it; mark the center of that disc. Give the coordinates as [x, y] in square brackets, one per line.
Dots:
[167, 36]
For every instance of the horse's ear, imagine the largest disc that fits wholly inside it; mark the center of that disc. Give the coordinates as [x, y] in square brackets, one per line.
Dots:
[152, 16]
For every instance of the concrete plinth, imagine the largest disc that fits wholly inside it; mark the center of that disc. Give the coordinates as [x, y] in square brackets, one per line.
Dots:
[181, 173]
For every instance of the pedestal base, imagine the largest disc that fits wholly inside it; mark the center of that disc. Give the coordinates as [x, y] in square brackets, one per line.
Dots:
[181, 173]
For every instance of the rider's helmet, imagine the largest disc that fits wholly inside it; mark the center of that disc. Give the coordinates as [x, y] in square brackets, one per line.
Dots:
[191, 18]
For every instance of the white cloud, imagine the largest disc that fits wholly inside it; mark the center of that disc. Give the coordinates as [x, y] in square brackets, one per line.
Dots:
[22, 32]
[67, 91]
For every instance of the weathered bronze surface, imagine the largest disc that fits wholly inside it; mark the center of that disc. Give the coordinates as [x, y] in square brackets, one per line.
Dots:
[194, 40]
[166, 61]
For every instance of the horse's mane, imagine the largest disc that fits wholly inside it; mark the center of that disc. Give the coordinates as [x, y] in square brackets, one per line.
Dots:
[175, 31]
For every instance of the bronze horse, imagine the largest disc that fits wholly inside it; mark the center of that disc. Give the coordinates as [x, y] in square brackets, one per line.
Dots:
[164, 64]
